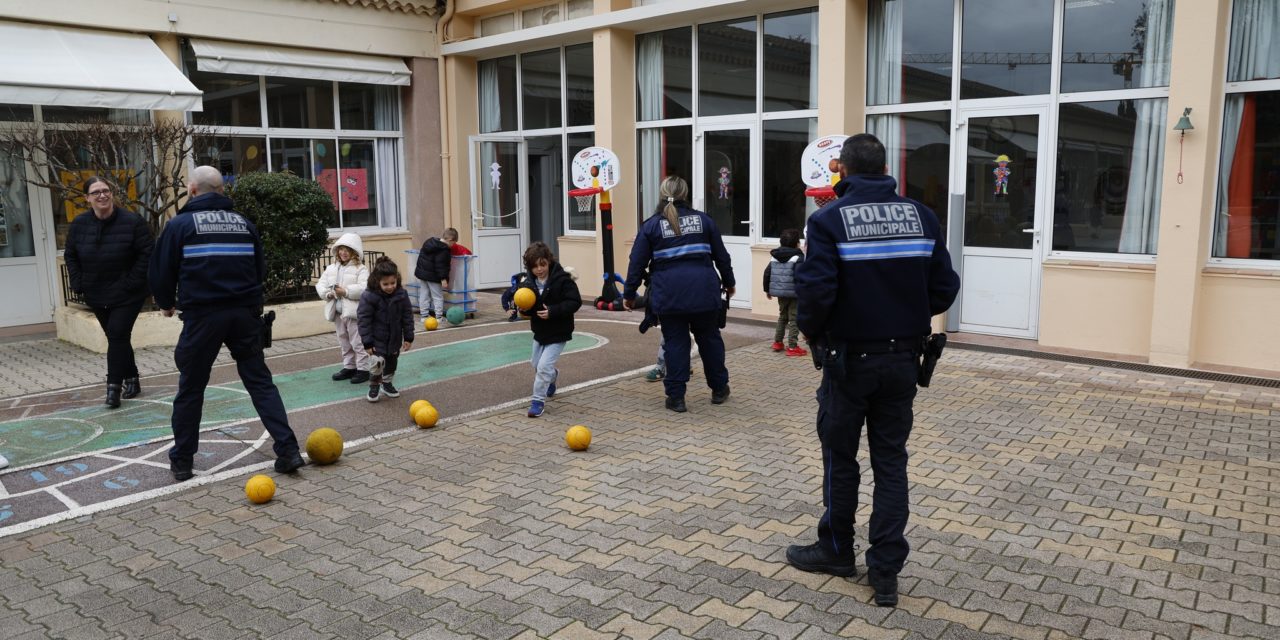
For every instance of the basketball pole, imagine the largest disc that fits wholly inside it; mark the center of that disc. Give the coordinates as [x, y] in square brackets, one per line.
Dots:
[610, 298]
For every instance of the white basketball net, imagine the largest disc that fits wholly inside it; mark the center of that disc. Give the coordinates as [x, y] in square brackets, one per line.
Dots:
[585, 203]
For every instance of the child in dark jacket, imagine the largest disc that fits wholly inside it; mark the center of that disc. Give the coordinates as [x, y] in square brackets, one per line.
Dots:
[550, 317]
[386, 325]
[779, 282]
[432, 272]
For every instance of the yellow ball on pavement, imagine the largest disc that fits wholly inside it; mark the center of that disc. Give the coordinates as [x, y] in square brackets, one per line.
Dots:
[413, 408]
[430, 323]
[260, 489]
[426, 417]
[324, 445]
[578, 437]
[524, 298]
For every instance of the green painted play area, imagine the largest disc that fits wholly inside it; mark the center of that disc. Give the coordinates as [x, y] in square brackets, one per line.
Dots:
[87, 429]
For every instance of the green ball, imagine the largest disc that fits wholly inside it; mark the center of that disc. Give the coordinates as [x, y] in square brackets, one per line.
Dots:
[455, 315]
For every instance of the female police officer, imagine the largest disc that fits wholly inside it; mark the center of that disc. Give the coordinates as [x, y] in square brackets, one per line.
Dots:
[682, 251]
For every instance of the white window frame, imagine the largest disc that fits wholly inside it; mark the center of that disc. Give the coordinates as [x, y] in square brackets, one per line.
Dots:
[388, 221]
[1250, 264]
[518, 17]
[563, 130]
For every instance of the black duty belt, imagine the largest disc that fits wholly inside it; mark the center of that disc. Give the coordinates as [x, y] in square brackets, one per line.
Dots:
[885, 345]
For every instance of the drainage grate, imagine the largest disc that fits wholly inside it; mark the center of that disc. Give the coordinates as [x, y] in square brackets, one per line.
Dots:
[1130, 366]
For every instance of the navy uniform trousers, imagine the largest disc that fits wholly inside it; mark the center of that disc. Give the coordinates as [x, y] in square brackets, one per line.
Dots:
[878, 389]
[675, 336]
[203, 333]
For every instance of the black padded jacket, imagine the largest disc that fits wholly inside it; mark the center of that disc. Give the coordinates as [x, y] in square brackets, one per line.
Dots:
[107, 259]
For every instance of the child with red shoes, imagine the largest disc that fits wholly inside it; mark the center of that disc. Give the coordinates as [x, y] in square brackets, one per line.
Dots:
[779, 282]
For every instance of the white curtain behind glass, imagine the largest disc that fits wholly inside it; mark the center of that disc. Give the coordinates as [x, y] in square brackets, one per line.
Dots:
[1141, 227]
[386, 117]
[490, 108]
[1255, 40]
[649, 79]
[1230, 134]
[884, 49]
[888, 128]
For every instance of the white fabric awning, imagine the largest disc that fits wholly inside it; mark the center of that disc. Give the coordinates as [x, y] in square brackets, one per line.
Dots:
[41, 64]
[263, 60]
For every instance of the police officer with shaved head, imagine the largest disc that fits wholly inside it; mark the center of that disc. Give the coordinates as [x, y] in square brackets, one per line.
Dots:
[876, 272]
[212, 257]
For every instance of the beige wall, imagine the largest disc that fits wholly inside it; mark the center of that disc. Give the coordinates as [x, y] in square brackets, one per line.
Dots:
[457, 124]
[423, 168]
[1237, 320]
[319, 24]
[615, 65]
[842, 66]
[1200, 34]
[1103, 308]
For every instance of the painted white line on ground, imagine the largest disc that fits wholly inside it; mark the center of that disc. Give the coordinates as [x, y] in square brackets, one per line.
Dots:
[201, 480]
[142, 461]
[62, 497]
[248, 450]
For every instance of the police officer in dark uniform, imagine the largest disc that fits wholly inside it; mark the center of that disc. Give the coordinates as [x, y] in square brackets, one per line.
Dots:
[213, 257]
[877, 270]
[682, 251]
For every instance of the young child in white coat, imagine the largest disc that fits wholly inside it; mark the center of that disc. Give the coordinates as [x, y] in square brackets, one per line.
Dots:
[340, 287]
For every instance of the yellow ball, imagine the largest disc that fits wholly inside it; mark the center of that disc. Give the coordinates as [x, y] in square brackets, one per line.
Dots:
[524, 298]
[578, 437]
[324, 446]
[413, 408]
[426, 416]
[430, 323]
[259, 489]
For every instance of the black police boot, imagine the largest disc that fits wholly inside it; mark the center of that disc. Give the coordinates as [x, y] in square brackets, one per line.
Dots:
[676, 404]
[113, 396]
[718, 396]
[181, 470]
[886, 586]
[815, 559]
[289, 464]
[360, 377]
[343, 374]
[131, 388]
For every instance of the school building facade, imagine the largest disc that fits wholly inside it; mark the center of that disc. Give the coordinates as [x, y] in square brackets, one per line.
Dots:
[1048, 135]
[1083, 211]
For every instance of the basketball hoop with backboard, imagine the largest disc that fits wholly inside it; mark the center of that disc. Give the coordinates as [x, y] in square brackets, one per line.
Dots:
[820, 168]
[595, 170]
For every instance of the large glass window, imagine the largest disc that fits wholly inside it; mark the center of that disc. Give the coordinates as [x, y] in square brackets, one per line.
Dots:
[1247, 224]
[232, 155]
[1121, 44]
[1107, 189]
[909, 50]
[663, 151]
[727, 67]
[917, 148]
[579, 78]
[664, 74]
[1005, 48]
[16, 113]
[16, 238]
[540, 88]
[229, 100]
[293, 103]
[791, 60]
[579, 221]
[784, 205]
[368, 107]
[497, 101]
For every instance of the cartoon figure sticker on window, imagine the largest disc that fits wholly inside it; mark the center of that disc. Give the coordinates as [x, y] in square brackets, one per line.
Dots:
[495, 176]
[726, 183]
[1002, 173]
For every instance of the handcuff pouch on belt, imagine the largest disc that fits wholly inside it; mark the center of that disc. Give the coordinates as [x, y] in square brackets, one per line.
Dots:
[268, 319]
[930, 350]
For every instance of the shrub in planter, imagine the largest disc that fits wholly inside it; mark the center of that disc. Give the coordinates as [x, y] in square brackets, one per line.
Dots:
[292, 215]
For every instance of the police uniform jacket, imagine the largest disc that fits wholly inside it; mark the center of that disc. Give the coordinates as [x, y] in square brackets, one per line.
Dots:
[107, 259]
[561, 297]
[877, 265]
[211, 255]
[682, 268]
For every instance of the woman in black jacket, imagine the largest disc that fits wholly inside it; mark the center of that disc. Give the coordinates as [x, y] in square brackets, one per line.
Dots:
[107, 252]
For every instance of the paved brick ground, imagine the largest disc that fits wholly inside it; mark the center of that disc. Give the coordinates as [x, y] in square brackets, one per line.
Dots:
[1050, 501]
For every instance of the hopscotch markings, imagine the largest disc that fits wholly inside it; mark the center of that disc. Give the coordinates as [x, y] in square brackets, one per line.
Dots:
[62, 497]
[201, 480]
[256, 446]
[148, 463]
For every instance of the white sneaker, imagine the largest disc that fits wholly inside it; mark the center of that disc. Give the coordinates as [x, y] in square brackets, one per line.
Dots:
[4, 462]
